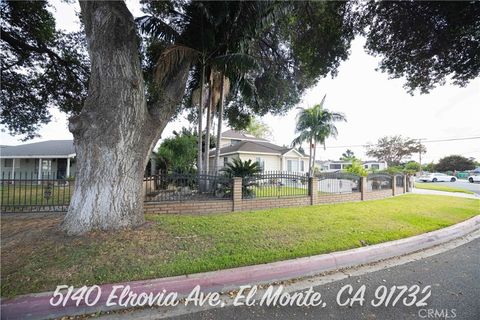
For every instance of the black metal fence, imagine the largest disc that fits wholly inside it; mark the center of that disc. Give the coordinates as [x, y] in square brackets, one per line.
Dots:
[338, 182]
[274, 184]
[399, 180]
[187, 186]
[24, 192]
[379, 181]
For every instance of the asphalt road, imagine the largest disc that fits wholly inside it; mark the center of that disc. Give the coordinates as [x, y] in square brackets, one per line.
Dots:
[454, 277]
[462, 184]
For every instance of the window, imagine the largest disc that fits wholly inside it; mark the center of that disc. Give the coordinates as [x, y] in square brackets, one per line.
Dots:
[366, 166]
[8, 163]
[46, 166]
[233, 141]
[375, 166]
[261, 163]
[335, 166]
[292, 165]
[302, 166]
[225, 161]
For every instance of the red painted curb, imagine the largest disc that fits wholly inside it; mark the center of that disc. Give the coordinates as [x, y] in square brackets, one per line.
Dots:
[37, 306]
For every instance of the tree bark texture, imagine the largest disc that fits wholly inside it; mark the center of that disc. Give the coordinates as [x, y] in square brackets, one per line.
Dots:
[115, 132]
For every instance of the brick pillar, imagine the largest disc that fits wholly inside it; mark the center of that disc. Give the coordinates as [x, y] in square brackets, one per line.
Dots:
[313, 189]
[363, 187]
[237, 194]
[405, 183]
[394, 185]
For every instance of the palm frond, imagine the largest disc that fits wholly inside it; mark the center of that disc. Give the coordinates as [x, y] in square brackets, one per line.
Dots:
[171, 59]
[235, 62]
[156, 28]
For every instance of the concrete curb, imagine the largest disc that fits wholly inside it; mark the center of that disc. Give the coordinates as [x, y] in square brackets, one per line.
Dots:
[37, 306]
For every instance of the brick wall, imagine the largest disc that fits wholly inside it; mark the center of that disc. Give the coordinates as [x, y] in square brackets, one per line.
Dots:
[333, 198]
[380, 194]
[239, 204]
[257, 204]
[213, 206]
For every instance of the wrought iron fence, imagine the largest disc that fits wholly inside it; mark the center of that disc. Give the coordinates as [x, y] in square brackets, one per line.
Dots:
[274, 184]
[23, 192]
[338, 182]
[187, 186]
[399, 180]
[379, 181]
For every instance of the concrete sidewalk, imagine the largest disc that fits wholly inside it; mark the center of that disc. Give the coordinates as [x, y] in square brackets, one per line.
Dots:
[444, 193]
[37, 306]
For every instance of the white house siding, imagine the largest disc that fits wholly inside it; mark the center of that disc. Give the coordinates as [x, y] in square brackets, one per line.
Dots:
[294, 156]
[272, 162]
[27, 168]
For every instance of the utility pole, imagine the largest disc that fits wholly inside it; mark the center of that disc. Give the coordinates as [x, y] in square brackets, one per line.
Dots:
[420, 154]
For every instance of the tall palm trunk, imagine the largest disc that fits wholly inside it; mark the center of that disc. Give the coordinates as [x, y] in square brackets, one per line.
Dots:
[220, 119]
[200, 116]
[310, 159]
[314, 156]
[207, 130]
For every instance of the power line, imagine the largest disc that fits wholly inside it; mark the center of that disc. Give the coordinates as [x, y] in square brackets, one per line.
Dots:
[423, 141]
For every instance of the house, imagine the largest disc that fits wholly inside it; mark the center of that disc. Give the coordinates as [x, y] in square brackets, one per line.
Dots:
[333, 166]
[52, 159]
[46, 159]
[271, 157]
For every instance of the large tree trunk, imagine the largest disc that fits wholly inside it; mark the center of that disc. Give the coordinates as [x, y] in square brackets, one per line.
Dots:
[115, 131]
[220, 119]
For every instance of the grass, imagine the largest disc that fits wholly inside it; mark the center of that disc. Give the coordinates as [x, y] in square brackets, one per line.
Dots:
[433, 186]
[36, 256]
[26, 194]
[277, 191]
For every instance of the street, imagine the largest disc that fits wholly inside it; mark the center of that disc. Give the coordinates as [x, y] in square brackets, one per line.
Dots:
[454, 277]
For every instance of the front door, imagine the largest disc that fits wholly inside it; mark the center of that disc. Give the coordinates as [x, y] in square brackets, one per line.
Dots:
[61, 168]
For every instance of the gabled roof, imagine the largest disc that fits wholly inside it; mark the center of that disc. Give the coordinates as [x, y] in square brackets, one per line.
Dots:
[253, 147]
[37, 149]
[239, 135]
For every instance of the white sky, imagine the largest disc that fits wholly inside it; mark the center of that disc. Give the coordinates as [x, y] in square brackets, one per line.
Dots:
[374, 105]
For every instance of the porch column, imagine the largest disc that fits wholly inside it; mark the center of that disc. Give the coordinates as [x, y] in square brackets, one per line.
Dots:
[39, 169]
[68, 168]
[13, 168]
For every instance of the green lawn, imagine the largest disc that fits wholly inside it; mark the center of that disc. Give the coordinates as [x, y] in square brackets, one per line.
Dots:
[36, 256]
[26, 194]
[277, 191]
[433, 186]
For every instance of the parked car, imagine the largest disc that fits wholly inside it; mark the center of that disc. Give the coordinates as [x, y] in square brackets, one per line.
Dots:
[437, 177]
[474, 178]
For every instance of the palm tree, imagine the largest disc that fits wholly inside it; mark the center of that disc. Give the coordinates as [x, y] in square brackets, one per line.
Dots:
[315, 125]
[212, 36]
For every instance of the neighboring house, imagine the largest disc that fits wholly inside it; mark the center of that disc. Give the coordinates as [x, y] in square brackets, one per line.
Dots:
[46, 159]
[333, 166]
[53, 159]
[271, 157]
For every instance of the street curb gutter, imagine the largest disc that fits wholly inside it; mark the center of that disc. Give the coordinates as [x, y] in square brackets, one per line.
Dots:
[37, 306]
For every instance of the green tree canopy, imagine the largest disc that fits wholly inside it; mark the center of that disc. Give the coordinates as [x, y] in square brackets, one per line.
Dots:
[394, 149]
[258, 128]
[178, 153]
[348, 155]
[41, 67]
[454, 162]
[427, 42]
